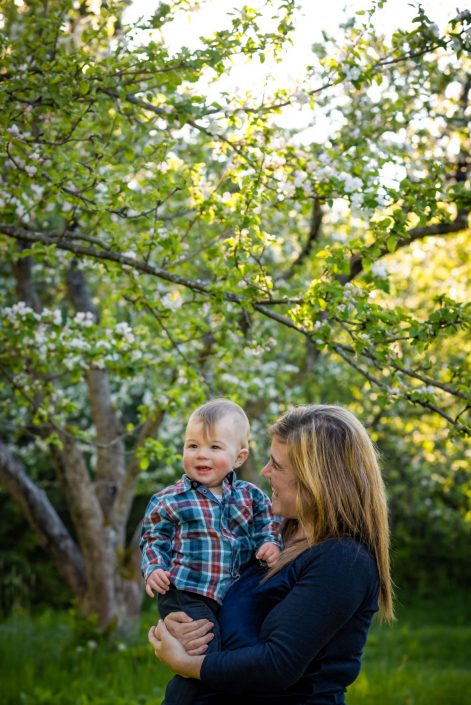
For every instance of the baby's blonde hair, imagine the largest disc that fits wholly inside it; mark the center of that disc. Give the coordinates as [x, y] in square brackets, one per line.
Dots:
[213, 411]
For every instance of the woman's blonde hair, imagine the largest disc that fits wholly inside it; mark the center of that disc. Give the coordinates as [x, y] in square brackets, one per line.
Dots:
[340, 491]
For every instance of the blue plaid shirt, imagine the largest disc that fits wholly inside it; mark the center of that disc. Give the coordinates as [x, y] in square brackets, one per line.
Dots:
[203, 540]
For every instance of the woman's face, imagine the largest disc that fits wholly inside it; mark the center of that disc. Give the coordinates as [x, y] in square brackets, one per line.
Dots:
[283, 480]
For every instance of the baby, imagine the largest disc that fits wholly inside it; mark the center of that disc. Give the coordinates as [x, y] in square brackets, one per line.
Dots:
[198, 532]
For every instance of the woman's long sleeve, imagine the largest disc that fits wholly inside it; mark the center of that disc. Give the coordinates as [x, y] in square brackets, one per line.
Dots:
[333, 580]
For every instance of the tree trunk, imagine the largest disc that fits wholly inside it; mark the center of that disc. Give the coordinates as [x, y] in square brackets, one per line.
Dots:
[45, 522]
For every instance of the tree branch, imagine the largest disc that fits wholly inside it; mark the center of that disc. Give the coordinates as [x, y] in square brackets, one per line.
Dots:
[97, 537]
[123, 501]
[340, 350]
[458, 224]
[25, 288]
[110, 464]
[314, 231]
[52, 534]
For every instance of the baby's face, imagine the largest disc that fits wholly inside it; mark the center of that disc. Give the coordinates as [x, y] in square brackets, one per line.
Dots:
[208, 458]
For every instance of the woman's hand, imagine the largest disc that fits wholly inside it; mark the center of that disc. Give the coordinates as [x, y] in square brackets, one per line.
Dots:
[193, 634]
[172, 653]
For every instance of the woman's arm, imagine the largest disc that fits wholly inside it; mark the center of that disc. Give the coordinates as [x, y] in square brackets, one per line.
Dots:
[333, 581]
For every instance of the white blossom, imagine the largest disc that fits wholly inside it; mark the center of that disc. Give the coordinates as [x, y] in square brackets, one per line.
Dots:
[37, 190]
[40, 335]
[428, 389]
[18, 310]
[103, 344]
[230, 379]
[301, 97]
[170, 302]
[14, 131]
[356, 200]
[72, 362]
[352, 73]
[380, 270]
[350, 290]
[123, 329]
[78, 344]
[85, 319]
[352, 183]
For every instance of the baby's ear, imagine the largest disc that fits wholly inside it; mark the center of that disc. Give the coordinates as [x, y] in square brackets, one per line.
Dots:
[241, 457]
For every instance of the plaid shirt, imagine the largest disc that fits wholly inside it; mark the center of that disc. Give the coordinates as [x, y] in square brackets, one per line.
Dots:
[203, 540]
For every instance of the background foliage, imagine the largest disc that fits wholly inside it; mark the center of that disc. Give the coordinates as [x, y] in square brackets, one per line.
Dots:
[169, 239]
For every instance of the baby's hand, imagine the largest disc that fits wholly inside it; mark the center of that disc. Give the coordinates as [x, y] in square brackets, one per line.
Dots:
[158, 580]
[269, 553]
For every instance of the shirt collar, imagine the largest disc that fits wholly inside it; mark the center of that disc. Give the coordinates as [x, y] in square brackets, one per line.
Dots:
[188, 484]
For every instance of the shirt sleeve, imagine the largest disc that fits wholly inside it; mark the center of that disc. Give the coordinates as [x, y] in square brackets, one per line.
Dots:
[330, 587]
[157, 535]
[266, 526]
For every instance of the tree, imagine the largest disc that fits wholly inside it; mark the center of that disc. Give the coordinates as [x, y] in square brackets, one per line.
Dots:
[162, 245]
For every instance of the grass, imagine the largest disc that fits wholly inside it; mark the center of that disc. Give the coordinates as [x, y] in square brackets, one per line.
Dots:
[422, 660]
[42, 662]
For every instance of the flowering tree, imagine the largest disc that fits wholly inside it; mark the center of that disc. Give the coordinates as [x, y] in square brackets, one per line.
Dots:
[161, 245]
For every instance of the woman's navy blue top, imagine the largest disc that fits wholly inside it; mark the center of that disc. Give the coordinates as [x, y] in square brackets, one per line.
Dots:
[296, 639]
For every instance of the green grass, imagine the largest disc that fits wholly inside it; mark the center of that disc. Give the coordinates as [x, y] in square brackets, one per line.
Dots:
[422, 660]
[43, 663]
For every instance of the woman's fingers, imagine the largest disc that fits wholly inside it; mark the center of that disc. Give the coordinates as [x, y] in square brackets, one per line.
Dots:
[161, 630]
[199, 628]
[187, 632]
[175, 620]
[153, 639]
[196, 647]
[198, 642]
[179, 617]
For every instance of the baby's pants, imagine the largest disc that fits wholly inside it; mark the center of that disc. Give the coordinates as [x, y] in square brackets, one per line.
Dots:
[183, 691]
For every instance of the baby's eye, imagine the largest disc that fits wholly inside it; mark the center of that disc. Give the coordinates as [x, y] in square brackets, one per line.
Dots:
[214, 447]
[191, 445]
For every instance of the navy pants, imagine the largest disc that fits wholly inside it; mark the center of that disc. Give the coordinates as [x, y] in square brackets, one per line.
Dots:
[183, 691]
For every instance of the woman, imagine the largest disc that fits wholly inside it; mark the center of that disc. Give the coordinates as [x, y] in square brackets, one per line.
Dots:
[295, 634]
